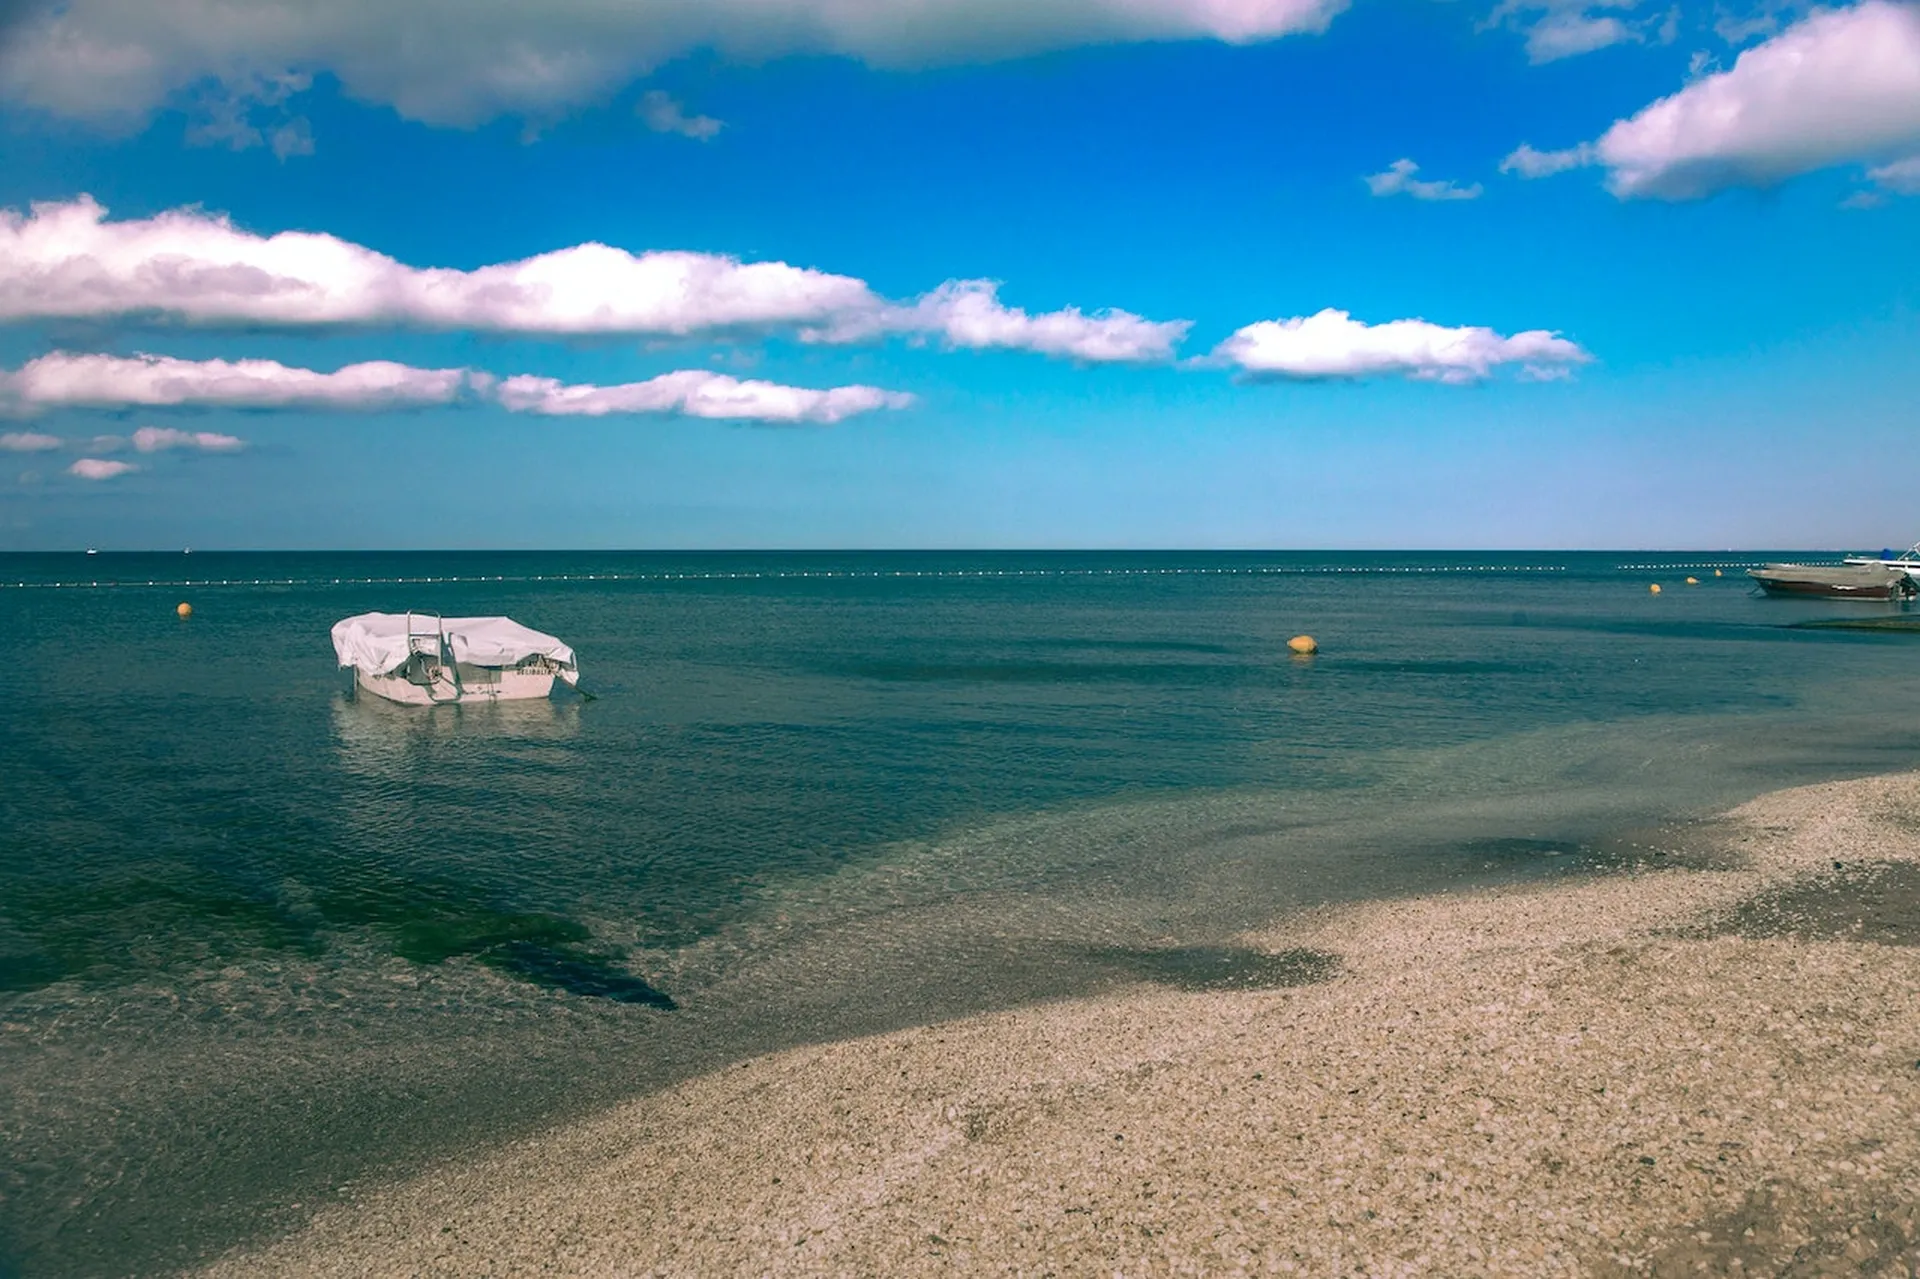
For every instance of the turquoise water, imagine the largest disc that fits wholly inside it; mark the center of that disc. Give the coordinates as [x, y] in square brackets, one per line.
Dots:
[261, 941]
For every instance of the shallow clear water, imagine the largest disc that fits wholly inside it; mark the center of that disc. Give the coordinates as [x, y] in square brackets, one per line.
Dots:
[260, 939]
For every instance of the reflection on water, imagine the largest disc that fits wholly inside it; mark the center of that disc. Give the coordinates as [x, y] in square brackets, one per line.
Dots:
[383, 742]
[374, 733]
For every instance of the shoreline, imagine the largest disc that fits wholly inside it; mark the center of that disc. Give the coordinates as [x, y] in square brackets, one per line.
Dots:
[1631, 1073]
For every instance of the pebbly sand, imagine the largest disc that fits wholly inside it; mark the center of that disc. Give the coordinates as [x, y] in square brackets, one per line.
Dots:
[1706, 1062]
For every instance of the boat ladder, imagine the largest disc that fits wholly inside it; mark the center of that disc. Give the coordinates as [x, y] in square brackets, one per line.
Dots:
[438, 671]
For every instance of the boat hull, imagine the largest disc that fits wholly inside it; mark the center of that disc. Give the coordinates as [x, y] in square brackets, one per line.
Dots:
[476, 684]
[1851, 582]
[1814, 590]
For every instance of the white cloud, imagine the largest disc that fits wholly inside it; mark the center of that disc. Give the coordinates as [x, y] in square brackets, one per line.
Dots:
[464, 61]
[1398, 179]
[1756, 19]
[1840, 85]
[154, 439]
[663, 114]
[698, 393]
[96, 468]
[1529, 163]
[1558, 29]
[969, 314]
[27, 442]
[1902, 176]
[1332, 344]
[1566, 35]
[67, 261]
[62, 380]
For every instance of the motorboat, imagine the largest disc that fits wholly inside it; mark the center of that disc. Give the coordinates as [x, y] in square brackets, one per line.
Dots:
[1907, 561]
[423, 659]
[1850, 581]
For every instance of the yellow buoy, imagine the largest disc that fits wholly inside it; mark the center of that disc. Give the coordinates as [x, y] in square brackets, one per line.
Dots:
[185, 610]
[1693, 581]
[1716, 572]
[1304, 645]
[1654, 589]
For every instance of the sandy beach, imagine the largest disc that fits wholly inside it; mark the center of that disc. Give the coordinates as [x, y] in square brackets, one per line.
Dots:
[1706, 1059]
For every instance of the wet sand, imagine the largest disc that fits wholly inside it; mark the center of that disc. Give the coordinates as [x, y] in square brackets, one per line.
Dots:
[1707, 1060]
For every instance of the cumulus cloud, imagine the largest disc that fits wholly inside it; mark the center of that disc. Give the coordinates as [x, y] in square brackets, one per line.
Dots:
[67, 261]
[155, 439]
[459, 62]
[28, 442]
[1839, 86]
[62, 380]
[1332, 344]
[99, 468]
[660, 112]
[1398, 179]
[969, 314]
[698, 393]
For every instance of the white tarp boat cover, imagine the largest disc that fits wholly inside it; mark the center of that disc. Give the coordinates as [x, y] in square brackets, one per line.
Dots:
[377, 642]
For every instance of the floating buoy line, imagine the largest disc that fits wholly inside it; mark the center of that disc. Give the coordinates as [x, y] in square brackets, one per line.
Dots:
[795, 574]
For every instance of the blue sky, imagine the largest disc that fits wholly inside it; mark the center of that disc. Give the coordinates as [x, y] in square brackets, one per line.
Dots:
[1697, 330]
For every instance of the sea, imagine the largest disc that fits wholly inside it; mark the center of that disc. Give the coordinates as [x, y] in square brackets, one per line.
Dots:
[265, 943]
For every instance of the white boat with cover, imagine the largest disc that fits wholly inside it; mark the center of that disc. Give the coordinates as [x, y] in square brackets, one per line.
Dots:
[1907, 561]
[423, 659]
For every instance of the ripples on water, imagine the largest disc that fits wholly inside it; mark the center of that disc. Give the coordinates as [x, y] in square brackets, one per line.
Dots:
[259, 938]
